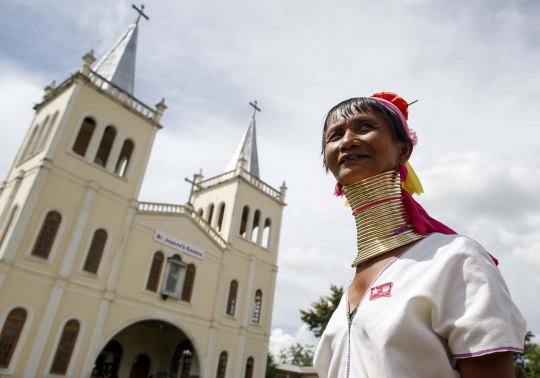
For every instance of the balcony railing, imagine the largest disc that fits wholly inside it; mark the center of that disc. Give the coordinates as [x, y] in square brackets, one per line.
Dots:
[164, 208]
[247, 176]
[121, 95]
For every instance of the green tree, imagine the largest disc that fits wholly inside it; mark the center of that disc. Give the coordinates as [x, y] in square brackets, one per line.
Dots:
[297, 354]
[271, 368]
[319, 315]
[527, 365]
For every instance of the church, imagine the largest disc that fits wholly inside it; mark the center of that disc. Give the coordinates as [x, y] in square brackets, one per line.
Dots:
[94, 281]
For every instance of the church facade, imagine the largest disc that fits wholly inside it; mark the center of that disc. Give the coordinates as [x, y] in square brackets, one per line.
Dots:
[95, 281]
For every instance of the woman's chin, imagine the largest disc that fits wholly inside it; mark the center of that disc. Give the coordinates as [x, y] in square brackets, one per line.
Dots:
[349, 176]
[352, 177]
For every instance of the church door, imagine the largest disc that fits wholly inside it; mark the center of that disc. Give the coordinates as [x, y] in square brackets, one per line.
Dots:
[140, 367]
[108, 360]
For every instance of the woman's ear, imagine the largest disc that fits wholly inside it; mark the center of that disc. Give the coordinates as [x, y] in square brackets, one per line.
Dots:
[406, 150]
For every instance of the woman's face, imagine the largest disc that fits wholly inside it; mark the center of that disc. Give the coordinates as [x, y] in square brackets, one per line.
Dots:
[362, 146]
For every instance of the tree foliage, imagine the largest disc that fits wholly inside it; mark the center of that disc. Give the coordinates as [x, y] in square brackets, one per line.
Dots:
[271, 368]
[297, 354]
[319, 315]
[527, 365]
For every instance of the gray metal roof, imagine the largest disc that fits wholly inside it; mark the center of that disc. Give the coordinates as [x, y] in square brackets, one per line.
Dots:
[247, 148]
[118, 65]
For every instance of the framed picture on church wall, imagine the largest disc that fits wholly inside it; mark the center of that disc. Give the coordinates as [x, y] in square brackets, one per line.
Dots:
[173, 279]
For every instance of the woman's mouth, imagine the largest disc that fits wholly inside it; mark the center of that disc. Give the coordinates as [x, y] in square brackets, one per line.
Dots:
[352, 158]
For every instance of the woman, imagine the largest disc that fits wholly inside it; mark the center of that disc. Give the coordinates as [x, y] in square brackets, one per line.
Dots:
[424, 302]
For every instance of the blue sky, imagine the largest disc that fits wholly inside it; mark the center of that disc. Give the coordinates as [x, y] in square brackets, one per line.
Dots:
[473, 66]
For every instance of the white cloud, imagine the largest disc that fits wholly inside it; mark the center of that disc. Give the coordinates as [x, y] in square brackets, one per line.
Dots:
[280, 340]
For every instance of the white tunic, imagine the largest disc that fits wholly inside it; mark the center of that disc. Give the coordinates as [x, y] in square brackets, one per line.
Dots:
[447, 301]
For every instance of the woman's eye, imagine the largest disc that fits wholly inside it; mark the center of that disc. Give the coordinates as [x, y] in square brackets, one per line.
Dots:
[334, 136]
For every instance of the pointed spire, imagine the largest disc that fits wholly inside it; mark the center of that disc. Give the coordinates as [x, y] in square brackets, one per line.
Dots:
[118, 64]
[247, 148]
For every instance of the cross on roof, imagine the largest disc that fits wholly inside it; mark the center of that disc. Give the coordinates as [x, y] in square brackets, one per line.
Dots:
[141, 13]
[255, 108]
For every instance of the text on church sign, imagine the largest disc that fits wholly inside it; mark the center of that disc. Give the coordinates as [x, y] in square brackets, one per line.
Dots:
[178, 244]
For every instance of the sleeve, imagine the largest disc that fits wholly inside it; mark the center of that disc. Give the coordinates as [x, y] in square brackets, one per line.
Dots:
[472, 308]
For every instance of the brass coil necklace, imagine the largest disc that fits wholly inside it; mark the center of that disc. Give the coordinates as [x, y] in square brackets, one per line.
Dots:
[382, 223]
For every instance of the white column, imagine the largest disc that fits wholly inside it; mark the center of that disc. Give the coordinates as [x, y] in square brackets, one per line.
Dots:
[78, 229]
[249, 225]
[132, 164]
[45, 326]
[270, 306]
[261, 364]
[63, 122]
[240, 354]
[11, 246]
[95, 141]
[245, 321]
[273, 244]
[115, 151]
[218, 310]
[208, 360]
[2, 187]
[260, 232]
[249, 293]
[12, 194]
[97, 334]
[120, 249]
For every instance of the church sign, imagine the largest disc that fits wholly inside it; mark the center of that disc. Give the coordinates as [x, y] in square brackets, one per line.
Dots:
[178, 244]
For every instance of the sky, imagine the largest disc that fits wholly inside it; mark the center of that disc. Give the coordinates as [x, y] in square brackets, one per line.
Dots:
[473, 66]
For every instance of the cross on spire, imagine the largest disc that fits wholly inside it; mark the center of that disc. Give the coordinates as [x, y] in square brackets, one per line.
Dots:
[255, 108]
[141, 13]
[194, 186]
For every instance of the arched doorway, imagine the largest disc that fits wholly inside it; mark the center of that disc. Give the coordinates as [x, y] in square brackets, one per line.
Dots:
[150, 347]
[140, 367]
[182, 360]
[109, 359]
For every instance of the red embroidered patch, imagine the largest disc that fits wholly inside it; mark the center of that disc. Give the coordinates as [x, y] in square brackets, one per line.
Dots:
[383, 290]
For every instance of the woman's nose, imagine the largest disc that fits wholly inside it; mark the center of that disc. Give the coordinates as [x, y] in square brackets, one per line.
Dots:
[349, 139]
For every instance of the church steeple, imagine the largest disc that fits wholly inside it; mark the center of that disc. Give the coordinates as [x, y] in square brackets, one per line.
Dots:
[247, 148]
[118, 64]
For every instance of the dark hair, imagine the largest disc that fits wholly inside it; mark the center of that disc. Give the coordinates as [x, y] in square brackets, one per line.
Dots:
[349, 107]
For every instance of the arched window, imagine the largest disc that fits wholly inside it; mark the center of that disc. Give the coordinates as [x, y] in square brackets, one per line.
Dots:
[231, 301]
[210, 213]
[35, 147]
[249, 368]
[181, 360]
[83, 138]
[105, 146]
[46, 131]
[243, 221]
[255, 228]
[95, 252]
[155, 272]
[47, 234]
[188, 283]
[257, 303]
[266, 233]
[65, 347]
[8, 225]
[222, 365]
[125, 156]
[29, 144]
[221, 213]
[10, 334]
